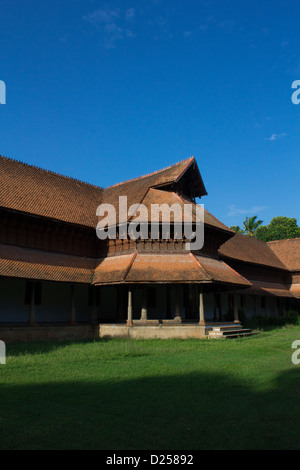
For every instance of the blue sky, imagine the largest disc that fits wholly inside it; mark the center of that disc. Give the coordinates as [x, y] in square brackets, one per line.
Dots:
[107, 91]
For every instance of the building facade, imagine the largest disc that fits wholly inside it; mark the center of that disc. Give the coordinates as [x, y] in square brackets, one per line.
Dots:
[58, 279]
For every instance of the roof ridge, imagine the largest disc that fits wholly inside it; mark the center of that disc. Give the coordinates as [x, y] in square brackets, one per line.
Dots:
[152, 173]
[53, 173]
[284, 239]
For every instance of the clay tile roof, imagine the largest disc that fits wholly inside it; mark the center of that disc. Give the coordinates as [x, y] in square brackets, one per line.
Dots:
[29, 189]
[248, 249]
[137, 189]
[165, 268]
[269, 289]
[40, 265]
[288, 251]
[295, 290]
[113, 270]
[221, 272]
[160, 177]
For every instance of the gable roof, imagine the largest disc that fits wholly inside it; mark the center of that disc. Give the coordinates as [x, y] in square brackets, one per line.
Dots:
[30, 189]
[249, 249]
[288, 251]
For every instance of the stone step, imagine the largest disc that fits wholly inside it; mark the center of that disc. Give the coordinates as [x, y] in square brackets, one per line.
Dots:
[227, 332]
[227, 328]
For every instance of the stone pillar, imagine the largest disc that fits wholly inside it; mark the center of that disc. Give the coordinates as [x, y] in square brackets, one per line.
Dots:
[32, 321]
[144, 313]
[236, 309]
[201, 308]
[129, 308]
[73, 308]
[178, 304]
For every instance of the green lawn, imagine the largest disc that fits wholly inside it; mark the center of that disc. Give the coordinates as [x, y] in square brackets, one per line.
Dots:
[152, 394]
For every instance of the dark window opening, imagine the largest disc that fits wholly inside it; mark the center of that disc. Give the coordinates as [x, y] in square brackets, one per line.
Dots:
[151, 297]
[37, 287]
[94, 296]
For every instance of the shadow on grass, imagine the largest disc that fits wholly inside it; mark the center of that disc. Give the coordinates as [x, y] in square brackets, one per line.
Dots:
[43, 347]
[179, 412]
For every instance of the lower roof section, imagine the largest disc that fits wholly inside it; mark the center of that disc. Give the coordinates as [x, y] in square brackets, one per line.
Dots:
[24, 263]
[165, 268]
[270, 289]
[295, 290]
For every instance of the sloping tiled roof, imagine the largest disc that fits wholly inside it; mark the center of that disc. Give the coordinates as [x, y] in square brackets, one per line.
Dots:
[172, 174]
[137, 189]
[250, 250]
[113, 269]
[221, 272]
[295, 290]
[269, 289]
[158, 196]
[32, 190]
[29, 189]
[288, 251]
[165, 268]
[40, 265]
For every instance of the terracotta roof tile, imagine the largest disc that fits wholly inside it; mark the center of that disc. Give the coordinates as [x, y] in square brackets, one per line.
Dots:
[29, 189]
[40, 265]
[113, 269]
[295, 290]
[269, 288]
[165, 268]
[221, 272]
[250, 250]
[288, 251]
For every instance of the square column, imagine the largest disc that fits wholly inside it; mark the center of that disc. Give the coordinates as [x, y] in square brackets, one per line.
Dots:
[144, 312]
[129, 308]
[201, 307]
[178, 318]
[236, 309]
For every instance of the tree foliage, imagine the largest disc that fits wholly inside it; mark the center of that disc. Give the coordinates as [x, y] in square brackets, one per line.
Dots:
[280, 228]
[250, 226]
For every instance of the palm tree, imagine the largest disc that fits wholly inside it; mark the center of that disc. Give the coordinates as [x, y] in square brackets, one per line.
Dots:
[250, 225]
[236, 228]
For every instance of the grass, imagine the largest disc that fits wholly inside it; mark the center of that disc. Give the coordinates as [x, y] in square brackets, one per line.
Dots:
[152, 394]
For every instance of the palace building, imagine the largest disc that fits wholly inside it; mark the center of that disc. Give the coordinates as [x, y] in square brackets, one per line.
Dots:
[58, 280]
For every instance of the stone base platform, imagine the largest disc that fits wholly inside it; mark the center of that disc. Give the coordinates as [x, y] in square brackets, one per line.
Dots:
[20, 334]
[139, 330]
[151, 331]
